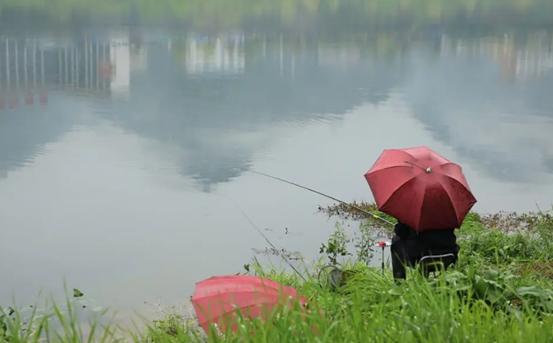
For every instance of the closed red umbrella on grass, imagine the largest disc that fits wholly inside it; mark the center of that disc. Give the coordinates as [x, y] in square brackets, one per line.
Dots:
[219, 299]
[420, 188]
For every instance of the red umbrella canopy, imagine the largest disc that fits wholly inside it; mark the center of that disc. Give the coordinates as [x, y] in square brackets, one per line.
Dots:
[420, 188]
[218, 299]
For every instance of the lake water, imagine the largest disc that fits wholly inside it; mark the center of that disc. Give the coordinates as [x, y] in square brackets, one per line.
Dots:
[126, 152]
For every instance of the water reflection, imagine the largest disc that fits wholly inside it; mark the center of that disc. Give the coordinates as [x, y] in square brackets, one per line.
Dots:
[220, 54]
[211, 95]
[123, 151]
[32, 66]
[189, 90]
[531, 58]
[487, 99]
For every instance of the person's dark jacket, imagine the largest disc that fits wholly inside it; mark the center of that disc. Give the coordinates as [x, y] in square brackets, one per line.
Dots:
[431, 242]
[408, 246]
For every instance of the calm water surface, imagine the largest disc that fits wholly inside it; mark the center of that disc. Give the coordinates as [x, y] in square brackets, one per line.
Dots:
[126, 153]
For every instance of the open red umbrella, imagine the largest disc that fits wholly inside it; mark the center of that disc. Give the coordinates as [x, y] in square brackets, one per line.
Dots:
[218, 299]
[420, 188]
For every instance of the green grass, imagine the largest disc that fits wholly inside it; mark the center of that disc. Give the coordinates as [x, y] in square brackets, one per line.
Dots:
[453, 308]
[498, 292]
[485, 298]
[56, 323]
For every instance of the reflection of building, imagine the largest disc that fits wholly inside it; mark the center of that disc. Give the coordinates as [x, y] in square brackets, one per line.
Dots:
[214, 120]
[30, 66]
[220, 54]
[22, 73]
[138, 58]
[177, 96]
[120, 62]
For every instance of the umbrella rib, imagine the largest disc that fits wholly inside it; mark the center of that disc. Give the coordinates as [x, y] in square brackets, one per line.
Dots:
[447, 191]
[419, 212]
[414, 164]
[452, 163]
[451, 200]
[450, 196]
[397, 189]
[459, 182]
[388, 167]
[467, 187]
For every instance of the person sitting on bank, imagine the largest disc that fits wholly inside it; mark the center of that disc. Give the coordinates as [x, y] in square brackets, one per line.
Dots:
[409, 246]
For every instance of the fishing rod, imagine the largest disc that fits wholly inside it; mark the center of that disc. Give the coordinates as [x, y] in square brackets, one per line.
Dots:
[375, 216]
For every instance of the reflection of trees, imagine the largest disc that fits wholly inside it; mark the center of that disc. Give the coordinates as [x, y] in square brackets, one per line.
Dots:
[338, 14]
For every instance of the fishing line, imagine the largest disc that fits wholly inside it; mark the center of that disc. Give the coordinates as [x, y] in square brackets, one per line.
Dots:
[272, 245]
[375, 216]
[260, 232]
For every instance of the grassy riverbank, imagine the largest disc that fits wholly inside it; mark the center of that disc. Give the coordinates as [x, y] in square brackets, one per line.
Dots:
[501, 290]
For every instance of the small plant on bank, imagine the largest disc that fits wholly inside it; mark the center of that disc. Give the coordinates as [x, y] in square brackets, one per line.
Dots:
[335, 246]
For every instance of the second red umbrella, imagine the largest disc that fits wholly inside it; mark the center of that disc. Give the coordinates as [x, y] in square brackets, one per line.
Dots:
[420, 188]
[218, 299]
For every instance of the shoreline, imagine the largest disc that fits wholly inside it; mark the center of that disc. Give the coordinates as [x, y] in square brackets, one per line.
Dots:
[507, 270]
